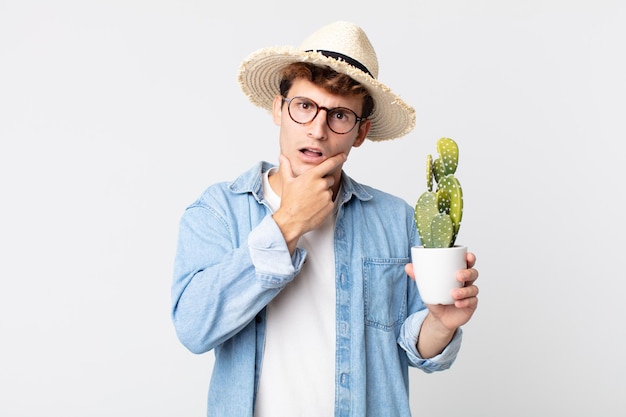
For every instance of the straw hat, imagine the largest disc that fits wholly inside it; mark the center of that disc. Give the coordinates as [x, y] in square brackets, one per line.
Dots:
[345, 48]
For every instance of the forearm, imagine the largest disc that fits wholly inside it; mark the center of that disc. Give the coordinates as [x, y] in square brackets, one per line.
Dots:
[433, 337]
[218, 289]
[213, 304]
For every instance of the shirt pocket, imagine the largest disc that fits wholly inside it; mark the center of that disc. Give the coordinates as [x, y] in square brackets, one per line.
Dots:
[385, 290]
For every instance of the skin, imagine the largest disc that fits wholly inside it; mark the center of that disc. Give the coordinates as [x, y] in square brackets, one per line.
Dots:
[443, 320]
[311, 160]
[308, 178]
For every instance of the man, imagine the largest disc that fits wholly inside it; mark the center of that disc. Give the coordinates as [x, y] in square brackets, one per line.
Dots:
[297, 276]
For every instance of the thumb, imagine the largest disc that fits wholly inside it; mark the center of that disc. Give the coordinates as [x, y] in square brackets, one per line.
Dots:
[408, 268]
[284, 168]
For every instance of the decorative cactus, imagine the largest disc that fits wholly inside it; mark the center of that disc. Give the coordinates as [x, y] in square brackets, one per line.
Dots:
[438, 213]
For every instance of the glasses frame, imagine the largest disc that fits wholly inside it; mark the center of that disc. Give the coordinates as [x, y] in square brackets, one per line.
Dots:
[328, 111]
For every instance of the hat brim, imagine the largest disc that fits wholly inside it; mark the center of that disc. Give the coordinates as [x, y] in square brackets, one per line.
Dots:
[259, 77]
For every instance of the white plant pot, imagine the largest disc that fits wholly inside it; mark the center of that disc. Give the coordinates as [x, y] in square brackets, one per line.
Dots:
[435, 272]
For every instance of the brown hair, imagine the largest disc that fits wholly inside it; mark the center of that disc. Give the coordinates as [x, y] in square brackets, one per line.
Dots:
[328, 79]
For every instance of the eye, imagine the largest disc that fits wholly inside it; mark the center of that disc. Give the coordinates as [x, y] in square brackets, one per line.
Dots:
[343, 115]
[305, 104]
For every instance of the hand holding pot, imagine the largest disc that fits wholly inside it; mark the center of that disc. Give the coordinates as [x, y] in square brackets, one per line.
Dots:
[465, 297]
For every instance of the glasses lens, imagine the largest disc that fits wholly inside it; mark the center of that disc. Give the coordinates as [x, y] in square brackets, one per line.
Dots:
[341, 120]
[302, 110]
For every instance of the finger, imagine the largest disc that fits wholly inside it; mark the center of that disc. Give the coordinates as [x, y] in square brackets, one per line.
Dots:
[329, 165]
[465, 292]
[467, 276]
[471, 259]
[330, 181]
[471, 303]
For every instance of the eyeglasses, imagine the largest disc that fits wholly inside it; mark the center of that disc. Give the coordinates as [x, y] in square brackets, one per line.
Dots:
[303, 110]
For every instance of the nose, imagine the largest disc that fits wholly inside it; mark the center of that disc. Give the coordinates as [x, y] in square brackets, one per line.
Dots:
[318, 127]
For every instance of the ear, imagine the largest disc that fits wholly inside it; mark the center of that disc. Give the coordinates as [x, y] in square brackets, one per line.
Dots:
[277, 109]
[364, 129]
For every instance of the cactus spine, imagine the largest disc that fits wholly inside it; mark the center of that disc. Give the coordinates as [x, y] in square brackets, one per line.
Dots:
[438, 213]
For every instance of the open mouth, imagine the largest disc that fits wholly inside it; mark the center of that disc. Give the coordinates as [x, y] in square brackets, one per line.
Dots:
[311, 152]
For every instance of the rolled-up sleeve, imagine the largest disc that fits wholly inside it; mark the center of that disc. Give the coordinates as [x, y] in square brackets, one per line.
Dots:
[409, 334]
[274, 266]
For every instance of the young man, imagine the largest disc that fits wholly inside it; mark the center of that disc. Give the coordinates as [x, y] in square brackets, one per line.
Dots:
[297, 276]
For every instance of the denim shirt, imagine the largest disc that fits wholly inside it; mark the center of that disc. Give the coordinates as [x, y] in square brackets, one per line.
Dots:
[232, 260]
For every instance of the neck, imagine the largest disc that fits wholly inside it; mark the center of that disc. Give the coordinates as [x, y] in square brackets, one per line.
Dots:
[277, 184]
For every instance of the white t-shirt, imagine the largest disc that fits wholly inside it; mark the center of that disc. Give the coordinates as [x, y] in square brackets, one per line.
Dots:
[298, 367]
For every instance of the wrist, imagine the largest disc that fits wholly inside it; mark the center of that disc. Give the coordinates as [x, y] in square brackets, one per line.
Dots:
[437, 328]
[288, 229]
[433, 337]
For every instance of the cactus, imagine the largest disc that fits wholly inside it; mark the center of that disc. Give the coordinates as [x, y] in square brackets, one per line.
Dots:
[438, 213]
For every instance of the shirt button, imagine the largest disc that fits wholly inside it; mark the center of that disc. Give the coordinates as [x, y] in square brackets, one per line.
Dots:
[344, 379]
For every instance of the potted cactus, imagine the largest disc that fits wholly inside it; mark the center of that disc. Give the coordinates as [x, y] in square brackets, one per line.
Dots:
[438, 215]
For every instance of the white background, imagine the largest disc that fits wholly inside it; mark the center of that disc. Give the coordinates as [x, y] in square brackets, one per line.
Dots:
[115, 115]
